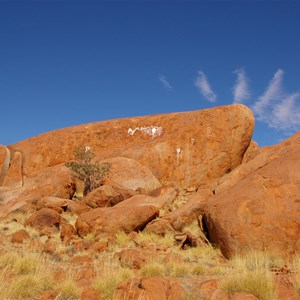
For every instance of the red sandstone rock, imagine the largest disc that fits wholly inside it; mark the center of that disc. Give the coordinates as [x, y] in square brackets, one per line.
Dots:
[219, 294]
[107, 195]
[131, 258]
[20, 236]
[160, 227]
[284, 287]
[81, 260]
[154, 288]
[186, 148]
[67, 231]
[257, 206]
[48, 295]
[129, 215]
[243, 296]
[14, 177]
[45, 217]
[183, 216]
[132, 175]
[55, 203]
[4, 162]
[89, 294]
[55, 181]
[50, 247]
[98, 246]
[251, 152]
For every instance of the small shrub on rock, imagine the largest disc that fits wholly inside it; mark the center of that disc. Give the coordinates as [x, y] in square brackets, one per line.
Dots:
[90, 172]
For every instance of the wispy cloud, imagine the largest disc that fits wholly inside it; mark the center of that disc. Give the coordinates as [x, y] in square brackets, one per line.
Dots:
[241, 88]
[166, 84]
[204, 87]
[278, 109]
[272, 94]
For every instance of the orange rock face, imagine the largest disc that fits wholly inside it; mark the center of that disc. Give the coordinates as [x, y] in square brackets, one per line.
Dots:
[186, 148]
[14, 177]
[257, 206]
[4, 162]
[129, 215]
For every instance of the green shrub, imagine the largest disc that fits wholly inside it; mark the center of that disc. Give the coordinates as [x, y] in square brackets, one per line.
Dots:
[87, 170]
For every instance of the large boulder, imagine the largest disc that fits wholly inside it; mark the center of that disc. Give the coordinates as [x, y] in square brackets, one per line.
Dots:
[129, 215]
[130, 174]
[106, 196]
[13, 176]
[185, 148]
[4, 162]
[45, 217]
[56, 181]
[257, 206]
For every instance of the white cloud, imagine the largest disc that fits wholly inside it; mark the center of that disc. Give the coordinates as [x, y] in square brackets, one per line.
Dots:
[166, 84]
[241, 88]
[204, 87]
[272, 94]
[278, 109]
[286, 114]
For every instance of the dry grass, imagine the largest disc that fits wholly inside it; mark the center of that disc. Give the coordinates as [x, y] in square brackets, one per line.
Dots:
[193, 228]
[107, 281]
[149, 237]
[68, 289]
[24, 275]
[250, 274]
[176, 270]
[203, 260]
[69, 217]
[29, 286]
[153, 269]
[122, 239]
[22, 264]
[296, 269]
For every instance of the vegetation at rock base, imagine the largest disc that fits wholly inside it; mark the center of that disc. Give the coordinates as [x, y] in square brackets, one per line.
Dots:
[250, 274]
[89, 171]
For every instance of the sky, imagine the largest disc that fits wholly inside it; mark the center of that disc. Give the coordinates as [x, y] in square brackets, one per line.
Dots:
[64, 63]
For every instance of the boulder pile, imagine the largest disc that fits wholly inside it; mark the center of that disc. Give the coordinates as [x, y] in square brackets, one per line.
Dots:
[168, 173]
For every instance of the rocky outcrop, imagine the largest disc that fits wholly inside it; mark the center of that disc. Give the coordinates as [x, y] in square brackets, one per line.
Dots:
[13, 176]
[106, 196]
[257, 205]
[56, 181]
[185, 148]
[4, 162]
[44, 218]
[155, 288]
[183, 216]
[131, 175]
[129, 215]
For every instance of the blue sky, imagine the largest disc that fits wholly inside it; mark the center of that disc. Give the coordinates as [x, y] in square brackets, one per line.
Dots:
[64, 63]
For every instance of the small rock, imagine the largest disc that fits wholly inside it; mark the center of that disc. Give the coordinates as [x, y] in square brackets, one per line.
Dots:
[89, 294]
[20, 236]
[131, 258]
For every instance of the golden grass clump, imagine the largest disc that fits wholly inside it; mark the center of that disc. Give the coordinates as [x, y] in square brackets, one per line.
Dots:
[21, 264]
[153, 269]
[296, 270]
[108, 280]
[68, 289]
[192, 228]
[29, 286]
[178, 270]
[149, 237]
[251, 274]
[122, 239]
